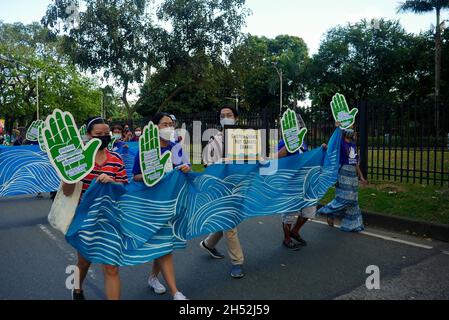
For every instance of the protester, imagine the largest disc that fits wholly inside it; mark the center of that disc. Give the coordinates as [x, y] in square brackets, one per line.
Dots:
[137, 134]
[346, 203]
[109, 168]
[214, 153]
[291, 224]
[165, 263]
[119, 145]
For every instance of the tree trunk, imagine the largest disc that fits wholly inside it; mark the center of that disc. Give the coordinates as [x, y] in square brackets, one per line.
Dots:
[129, 111]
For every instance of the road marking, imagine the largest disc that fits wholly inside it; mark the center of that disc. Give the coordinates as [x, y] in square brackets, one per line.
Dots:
[445, 252]
[68, 253]
[370, 234]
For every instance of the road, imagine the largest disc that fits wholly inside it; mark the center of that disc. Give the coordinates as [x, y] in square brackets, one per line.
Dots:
[34, 258]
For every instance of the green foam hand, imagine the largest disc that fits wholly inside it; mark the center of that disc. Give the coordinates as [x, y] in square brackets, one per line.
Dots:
[40, 137]
[111, 144]
[292, 135]
[151, 163]
[71, 158]
[33, 131]
[341, 113]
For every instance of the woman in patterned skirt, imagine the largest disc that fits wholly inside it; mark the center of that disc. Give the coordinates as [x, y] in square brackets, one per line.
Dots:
[346, 204]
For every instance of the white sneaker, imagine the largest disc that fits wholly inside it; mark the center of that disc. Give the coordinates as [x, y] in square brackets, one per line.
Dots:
[158, 287]
[179, 296]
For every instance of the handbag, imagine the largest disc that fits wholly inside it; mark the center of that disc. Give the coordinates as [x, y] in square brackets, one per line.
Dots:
[64, 207]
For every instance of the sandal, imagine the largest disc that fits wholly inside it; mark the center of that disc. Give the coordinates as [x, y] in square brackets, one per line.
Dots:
[298, 238]
[291, 245]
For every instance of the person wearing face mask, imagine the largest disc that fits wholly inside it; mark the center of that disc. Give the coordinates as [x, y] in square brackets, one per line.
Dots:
[119, 145]
[137, 134]
[179, 160]
[213, 153]
[109, 168]
[346, 203]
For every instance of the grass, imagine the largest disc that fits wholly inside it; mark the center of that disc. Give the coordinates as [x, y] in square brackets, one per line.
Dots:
[387, 164]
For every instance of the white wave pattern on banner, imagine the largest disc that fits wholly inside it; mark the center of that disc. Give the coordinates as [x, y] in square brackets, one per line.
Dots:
[26, 172]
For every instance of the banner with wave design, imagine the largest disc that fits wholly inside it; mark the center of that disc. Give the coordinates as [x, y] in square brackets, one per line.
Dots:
[133, 225]
[27, 170]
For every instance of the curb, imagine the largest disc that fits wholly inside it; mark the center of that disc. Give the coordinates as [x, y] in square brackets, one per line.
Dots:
[407, 225]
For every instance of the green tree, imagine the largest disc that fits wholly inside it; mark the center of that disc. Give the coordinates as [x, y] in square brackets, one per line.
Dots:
[363, 62]
[424, 6]
[30, 50]
[114, 38]
[253, 70]
[192, 54]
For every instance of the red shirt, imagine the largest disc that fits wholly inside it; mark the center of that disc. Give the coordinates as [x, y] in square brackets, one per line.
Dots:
[113, 167]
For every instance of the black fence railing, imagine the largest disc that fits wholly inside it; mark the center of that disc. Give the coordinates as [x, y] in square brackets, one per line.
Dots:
[403, 142]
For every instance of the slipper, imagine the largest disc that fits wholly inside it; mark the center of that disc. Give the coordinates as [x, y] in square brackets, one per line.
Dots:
[298, 238]
[291, 245]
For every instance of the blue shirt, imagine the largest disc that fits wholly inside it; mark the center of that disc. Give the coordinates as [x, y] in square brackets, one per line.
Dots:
[177, 159]
[303, 147]
[348, 153]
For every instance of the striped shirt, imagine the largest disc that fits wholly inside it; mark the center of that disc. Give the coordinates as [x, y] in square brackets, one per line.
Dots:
[113, 167]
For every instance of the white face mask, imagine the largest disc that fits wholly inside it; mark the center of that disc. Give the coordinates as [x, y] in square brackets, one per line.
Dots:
[138, 133]
[227, 122]
[167, 133]
[117, 136]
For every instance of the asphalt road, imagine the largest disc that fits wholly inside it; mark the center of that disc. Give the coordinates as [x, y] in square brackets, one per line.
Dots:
[34, 258]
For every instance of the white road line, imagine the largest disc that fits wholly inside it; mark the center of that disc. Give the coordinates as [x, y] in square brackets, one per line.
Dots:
[69, 254]
[370, 234]
[445, 252]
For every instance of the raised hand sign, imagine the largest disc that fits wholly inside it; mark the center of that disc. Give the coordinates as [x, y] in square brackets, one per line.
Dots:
[151, 163]
[341, 113]
[33, 131]
[292, 135]
[71, 158]
[111, 144]
[40, 137]
[83, 133]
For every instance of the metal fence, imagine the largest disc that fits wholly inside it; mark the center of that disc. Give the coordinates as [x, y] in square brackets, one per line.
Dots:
[397, 142]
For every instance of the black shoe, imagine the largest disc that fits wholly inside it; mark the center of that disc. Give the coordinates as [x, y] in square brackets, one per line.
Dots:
[298, 238]
[78, 295]
[291, 245]
[214, 253]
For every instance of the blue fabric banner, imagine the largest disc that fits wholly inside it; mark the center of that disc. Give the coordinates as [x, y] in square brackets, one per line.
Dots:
[27, 170]
[128, 226]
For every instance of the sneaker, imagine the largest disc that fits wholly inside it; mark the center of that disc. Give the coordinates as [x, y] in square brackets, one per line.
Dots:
[78, 295]
[153, 282]
[179, 296]
[237, 271]
[214, 253]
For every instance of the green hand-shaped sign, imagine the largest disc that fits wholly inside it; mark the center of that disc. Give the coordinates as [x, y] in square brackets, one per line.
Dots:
[40, 137]
[341, 113]
[71, 158]
[111, 144]
[151, 163]
[33, 131]
[292, 135]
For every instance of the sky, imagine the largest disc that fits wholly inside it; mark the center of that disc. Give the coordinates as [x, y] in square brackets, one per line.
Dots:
[303, 18]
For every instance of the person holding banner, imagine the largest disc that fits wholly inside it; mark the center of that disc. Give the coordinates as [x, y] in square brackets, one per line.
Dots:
[180, 161]
[290, 224]
[213, 153]
[346, 203]
[108, 168]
